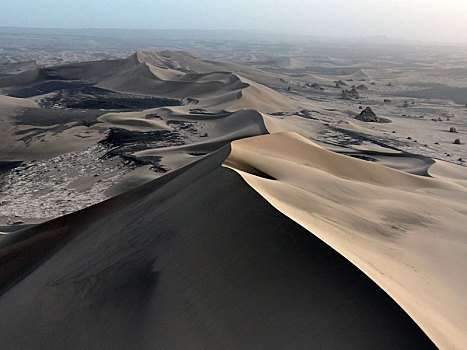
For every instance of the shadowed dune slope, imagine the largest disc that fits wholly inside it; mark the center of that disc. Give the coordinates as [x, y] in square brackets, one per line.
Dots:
[406, 232]
[195, 259]
[93, 71]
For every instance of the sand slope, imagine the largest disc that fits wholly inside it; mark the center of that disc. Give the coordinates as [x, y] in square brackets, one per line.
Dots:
[182, 262]
[406, 232]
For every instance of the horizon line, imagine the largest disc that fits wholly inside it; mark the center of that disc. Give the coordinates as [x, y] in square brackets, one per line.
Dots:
[390, 39]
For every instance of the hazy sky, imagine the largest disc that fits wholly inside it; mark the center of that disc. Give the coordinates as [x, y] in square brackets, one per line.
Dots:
[432, 20]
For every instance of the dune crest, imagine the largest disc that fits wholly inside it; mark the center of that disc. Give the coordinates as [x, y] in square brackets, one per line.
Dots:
[181, 262]
[405, 231]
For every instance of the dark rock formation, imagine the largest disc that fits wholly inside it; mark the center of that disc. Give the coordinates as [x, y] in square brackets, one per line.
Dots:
[313, 85]
[367, 115]
[339, 83]
[350, 94]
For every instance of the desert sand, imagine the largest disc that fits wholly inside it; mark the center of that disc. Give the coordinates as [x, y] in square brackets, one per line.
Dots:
[382, 232]
[168, 200]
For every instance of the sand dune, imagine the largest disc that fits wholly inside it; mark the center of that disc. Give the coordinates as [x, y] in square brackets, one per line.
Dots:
[185, 74]
[450, 172]
[223, 129]
[20, 79]
[174, 74]
[263, 99]
[182, 262]
[189, 62]
[406, 232]
[132, 121]
[10, 104]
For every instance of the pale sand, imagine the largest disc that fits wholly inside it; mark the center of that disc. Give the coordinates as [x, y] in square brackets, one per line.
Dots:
[406, 232]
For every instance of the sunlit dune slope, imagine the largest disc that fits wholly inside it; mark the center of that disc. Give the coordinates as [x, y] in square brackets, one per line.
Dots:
[406, 232]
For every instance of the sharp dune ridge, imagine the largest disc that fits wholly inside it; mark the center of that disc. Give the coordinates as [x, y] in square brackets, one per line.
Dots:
[207, 278]
[259, 233]
[381, 233]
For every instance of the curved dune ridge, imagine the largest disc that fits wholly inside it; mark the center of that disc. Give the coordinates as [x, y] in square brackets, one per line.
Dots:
[195, 259]
[406, 232]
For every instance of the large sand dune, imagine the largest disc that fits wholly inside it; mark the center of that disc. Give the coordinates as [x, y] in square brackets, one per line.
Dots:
[406, 232]
[195, 259]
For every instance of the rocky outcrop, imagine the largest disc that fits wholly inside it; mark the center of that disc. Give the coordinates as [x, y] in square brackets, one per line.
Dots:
[339, 83]
[367, 115]
[314, 86]
[350, 94]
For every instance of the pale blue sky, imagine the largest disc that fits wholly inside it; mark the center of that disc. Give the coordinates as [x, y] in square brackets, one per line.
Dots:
[439, 20]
